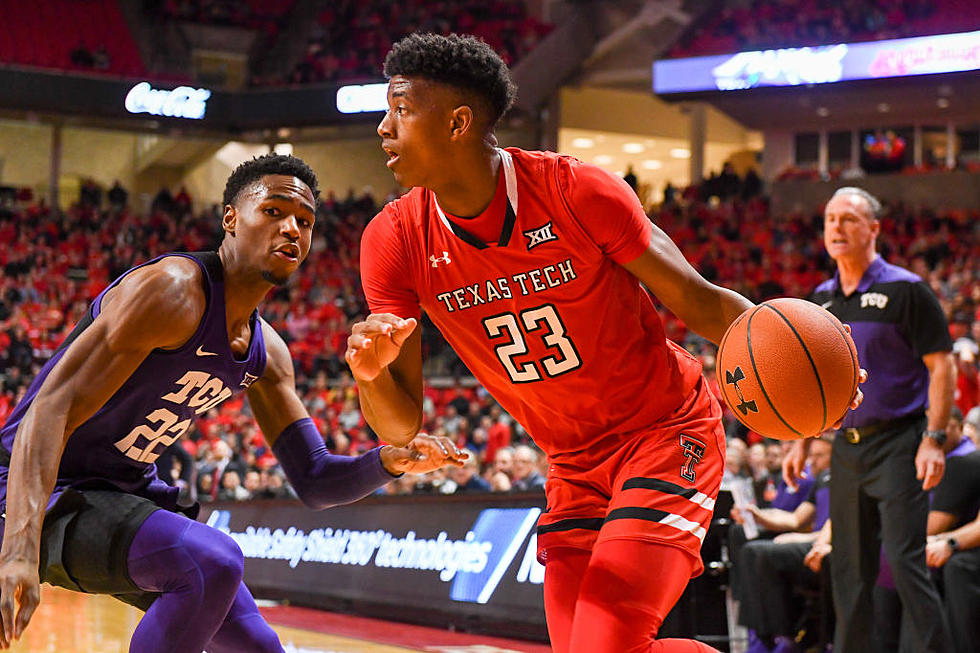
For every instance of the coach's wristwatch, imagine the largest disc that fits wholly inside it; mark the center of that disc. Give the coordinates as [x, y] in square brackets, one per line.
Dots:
[954, 546]
[939, 436]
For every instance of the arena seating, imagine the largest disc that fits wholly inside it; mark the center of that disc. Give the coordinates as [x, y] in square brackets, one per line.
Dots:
[352, 37]
[87, 36]
[763, 24]
[56, 264]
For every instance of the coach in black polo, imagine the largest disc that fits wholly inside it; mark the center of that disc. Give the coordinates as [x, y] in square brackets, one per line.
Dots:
[890, 449]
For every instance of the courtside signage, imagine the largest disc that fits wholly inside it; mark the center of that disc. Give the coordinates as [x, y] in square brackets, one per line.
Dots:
[923, 55]
[476, 554]
[181, 102]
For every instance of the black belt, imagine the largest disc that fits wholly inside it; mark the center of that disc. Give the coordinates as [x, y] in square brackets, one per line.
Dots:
[855, 435]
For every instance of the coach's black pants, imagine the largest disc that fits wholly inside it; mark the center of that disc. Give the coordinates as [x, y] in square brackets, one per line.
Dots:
[876, 500]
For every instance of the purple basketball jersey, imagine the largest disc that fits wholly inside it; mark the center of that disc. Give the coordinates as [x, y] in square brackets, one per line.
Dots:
[119, 444]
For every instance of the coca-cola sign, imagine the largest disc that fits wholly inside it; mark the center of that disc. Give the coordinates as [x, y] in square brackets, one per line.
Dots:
[181, 102]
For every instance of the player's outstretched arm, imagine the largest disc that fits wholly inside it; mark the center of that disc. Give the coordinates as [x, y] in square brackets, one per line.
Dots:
[384, 353]
[322, 479]
[158, 306]
[704, 307]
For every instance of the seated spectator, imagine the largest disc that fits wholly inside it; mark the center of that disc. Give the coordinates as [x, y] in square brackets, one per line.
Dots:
[81, 56]
[231, 487]
[773, 570]
[953, 537]
[736, 461]
[467, 478]
[117, 195]
[971, 425]
[274, 485]
[526, 475]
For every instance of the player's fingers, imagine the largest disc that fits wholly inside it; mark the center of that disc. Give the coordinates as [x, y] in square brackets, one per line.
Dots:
[7, 591]
[373, 329]
[858, 398]
[383, 321]
[403, 330]
[375, 325]
[29, 599]
[358, 341]
[430, 445]
[863, 375]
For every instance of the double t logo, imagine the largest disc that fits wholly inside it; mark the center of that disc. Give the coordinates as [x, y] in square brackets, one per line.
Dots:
[693, 453]
[732, 378]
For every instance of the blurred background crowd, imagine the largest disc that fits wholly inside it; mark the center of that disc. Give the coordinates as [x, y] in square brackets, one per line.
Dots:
[57, 261]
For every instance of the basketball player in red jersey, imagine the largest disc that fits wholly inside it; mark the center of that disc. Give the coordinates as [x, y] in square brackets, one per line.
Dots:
[530, 264]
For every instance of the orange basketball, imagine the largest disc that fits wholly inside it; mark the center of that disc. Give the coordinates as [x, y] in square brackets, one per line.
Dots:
[787, 369]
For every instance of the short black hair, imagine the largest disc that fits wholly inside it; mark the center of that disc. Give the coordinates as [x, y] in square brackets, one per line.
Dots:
[462, 61]
[268, 164]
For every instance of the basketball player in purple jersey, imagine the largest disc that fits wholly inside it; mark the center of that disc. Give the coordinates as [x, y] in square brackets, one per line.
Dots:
[167, 340]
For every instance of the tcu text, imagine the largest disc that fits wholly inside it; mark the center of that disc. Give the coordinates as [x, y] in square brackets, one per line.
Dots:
[197, 390]
[875, 299]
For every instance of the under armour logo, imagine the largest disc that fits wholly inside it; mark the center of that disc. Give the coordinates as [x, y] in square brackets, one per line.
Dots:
[693, 453]
[732, 378]
[540, 235]
[249, 380]
[442, 259]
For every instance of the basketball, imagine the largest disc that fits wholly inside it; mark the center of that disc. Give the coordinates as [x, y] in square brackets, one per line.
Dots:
[787, 368]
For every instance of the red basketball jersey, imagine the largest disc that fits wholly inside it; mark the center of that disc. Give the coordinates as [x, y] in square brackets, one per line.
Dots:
[531, 296]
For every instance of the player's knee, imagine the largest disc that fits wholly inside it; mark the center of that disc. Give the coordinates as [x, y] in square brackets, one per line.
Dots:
[266, 641]
[222, 562]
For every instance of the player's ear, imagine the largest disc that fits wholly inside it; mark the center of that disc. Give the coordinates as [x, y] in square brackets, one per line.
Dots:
[875, 227]
[460, 121]
[229, 220]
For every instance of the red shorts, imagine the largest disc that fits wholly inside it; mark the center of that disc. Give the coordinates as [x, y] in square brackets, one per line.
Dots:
[660, 485]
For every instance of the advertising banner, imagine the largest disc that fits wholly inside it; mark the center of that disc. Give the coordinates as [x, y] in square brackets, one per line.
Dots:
[924, 55]
[472, 558]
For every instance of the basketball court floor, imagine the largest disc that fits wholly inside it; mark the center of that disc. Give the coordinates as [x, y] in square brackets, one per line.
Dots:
[67, 622]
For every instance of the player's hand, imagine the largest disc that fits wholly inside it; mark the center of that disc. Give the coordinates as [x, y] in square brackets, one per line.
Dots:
[938, 552]
[375, 343]
[794, 462]
[857, 398]
[423, 454]
[20, 586]
[930, 463]
[858, 395]
[736, 515]
[814, 559]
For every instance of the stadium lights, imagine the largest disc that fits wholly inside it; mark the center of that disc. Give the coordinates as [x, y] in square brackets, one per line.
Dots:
[362, 98]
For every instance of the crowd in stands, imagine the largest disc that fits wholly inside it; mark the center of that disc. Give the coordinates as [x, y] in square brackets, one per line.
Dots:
[741, 25]
[54, 263]
[351, 37]
[89, 36]
[264, 15]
